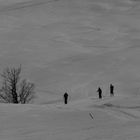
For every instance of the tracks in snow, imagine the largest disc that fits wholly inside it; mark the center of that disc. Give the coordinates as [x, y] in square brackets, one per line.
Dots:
[127, 113]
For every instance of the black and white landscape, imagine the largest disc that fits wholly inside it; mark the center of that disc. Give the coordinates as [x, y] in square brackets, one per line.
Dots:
[73, 46]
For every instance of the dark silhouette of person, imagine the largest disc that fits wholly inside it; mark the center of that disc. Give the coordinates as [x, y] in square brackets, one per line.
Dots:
[99, 93]
[65, 97]
[111, 90]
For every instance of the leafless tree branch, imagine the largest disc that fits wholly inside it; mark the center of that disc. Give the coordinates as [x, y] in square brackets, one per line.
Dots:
[14, 91]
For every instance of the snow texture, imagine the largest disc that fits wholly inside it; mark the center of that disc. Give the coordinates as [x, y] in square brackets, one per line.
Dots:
[73, 46]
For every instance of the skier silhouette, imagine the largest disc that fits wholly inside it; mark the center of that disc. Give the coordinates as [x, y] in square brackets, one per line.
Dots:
[111, 90]
[100, 93]
[65, 97]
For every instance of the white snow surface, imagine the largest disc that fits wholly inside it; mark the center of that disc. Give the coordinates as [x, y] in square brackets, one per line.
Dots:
[116, 118]
[73, 46]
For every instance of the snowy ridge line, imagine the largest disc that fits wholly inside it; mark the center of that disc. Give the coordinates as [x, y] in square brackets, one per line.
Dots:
[22, 5]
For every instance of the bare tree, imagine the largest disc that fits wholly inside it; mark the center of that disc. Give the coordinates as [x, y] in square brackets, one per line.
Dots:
[14, 90]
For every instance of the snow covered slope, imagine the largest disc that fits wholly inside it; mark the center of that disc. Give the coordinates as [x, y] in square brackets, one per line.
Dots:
[72, 45]
[88, 119]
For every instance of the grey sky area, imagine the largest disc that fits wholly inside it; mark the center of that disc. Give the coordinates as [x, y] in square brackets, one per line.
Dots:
[72, 45]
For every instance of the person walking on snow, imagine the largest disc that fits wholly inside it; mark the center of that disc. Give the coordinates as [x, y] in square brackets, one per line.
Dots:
[99, 93]
[65, 98]
[111, 90]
